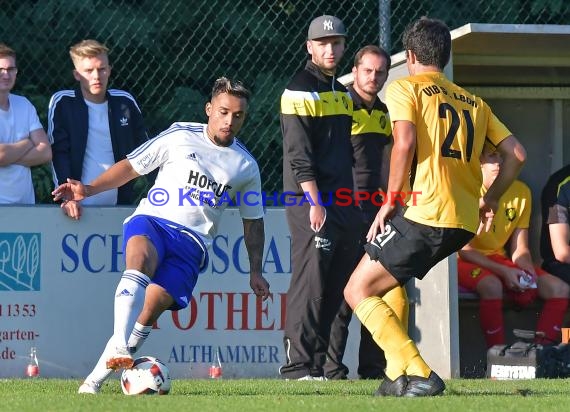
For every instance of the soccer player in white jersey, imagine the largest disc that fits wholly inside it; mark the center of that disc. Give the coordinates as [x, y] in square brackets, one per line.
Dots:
[201, 166]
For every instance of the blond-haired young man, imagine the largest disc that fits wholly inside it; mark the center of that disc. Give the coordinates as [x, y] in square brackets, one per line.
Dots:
[91, 127]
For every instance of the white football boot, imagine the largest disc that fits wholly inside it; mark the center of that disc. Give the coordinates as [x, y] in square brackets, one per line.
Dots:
[90, 388]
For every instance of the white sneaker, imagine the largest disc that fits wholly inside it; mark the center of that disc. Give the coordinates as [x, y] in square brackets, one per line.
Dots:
[121, 359]
[90, 388]
[312, 378]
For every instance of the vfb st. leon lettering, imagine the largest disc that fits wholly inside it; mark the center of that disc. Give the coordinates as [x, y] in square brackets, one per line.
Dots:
[434, 89]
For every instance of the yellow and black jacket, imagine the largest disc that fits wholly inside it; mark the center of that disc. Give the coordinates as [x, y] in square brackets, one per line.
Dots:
[371, 132]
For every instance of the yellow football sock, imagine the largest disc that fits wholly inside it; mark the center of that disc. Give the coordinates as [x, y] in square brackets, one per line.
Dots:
[397, 299]
[402, 355]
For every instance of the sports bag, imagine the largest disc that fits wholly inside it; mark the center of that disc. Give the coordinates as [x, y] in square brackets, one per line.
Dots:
[524, 359]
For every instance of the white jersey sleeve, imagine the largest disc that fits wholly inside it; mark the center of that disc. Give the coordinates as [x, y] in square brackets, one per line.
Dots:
[153, 153]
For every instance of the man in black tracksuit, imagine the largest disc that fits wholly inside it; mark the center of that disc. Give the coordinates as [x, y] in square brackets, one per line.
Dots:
[316, 115]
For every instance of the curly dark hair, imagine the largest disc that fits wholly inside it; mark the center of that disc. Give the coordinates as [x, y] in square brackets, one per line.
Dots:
[430, 40]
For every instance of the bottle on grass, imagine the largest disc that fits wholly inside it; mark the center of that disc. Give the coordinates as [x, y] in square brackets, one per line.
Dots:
[33, 368]
[216, 366]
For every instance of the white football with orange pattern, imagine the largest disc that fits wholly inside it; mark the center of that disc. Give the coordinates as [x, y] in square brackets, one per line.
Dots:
[148, 376]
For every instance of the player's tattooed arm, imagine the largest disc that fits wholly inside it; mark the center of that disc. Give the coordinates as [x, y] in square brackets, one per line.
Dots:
[254, 237]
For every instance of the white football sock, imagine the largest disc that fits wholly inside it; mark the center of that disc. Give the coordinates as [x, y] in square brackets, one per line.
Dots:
[100, 372]
[138, 336]
[129, 301]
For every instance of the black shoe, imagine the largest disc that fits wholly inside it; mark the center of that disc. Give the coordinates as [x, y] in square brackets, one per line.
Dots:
[419, 386]
[390, 387]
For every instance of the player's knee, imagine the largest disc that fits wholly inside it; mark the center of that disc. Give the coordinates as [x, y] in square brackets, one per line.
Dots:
[349, 295]
[552, 287]
[563, 289]
[490, 287]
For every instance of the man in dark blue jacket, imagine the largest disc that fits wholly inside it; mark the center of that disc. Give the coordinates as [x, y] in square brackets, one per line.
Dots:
[91, 128]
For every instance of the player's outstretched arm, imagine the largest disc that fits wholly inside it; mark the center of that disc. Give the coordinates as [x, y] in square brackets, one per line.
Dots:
[71, 190]
[254, 237]
[116, 176]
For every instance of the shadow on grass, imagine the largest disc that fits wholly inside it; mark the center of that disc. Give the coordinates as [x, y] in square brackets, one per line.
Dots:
[519, 392]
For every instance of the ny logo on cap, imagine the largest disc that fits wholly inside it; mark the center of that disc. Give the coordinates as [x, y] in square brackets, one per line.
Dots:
[327, 25]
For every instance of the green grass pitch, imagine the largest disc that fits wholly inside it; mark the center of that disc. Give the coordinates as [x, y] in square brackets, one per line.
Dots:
[274, 395]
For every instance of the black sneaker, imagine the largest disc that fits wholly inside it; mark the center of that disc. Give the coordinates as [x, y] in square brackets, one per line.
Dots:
[419, 386]
[390, 387]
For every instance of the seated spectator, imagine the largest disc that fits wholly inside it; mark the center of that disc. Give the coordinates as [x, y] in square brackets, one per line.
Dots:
[23, 141]
[485, 268]
[91, 128]
[555, 234]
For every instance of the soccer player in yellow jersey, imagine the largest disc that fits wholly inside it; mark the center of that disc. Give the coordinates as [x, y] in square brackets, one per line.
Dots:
[439, 130]
[485, 268]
